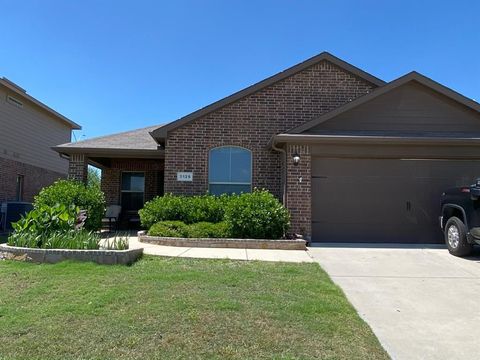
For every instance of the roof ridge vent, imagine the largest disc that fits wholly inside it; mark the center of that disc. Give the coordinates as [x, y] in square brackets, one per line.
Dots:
[11, 83]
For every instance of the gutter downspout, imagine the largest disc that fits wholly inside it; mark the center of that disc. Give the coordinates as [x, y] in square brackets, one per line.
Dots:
[284, 173]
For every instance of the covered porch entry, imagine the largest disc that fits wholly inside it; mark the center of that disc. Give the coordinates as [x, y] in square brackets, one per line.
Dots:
[130, 183]
[127, 182]
[132, 169]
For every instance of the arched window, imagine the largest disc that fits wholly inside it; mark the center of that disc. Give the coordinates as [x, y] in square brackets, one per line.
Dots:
[230, 170]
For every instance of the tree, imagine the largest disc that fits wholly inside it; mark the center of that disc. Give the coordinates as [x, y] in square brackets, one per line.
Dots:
[94, 177]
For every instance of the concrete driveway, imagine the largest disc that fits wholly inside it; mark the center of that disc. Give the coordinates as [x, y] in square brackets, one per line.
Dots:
[422, 303]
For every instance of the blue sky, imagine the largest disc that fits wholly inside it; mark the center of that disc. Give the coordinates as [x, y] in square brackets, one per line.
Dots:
[118, 65]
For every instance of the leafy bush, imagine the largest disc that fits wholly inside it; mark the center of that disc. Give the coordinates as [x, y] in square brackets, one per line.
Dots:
[167, 207]
[52, 227]
[208, 230]
[46, 219]
[189, 209]
[70, 192]
[204, 208]
[71, 239]
[257, 215]
[196, 230]
[169, 229]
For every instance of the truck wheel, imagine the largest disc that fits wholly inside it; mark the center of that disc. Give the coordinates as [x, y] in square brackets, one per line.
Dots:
[456, 237]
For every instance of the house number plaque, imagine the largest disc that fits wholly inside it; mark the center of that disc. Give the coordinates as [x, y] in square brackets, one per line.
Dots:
[184, 176]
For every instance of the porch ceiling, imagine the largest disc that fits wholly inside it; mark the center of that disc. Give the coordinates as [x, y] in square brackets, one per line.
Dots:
[103, 161]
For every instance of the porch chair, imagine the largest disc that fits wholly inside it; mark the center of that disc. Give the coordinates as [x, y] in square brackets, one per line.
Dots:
[112, 216]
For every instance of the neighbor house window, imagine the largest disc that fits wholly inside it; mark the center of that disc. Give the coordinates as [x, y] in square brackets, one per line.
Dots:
[230, 170]
[132, 190]
[19, 188]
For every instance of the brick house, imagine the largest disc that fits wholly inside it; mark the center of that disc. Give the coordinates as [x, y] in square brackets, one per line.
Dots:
[352, 157]
[28, 130]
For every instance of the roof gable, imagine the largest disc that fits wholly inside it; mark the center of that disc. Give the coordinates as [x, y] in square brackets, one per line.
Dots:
[324, 56]
[23, 93]
[402, 106]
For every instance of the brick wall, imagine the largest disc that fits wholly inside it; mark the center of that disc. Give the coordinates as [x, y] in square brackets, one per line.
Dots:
[111, 177]
[252, 121]
[78, 168]
[35, 179]
[298, 194]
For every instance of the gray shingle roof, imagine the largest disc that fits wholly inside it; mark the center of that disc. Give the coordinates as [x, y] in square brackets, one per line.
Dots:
[139, 139]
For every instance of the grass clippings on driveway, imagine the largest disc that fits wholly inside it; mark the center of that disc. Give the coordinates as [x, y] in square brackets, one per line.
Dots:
[163, 308]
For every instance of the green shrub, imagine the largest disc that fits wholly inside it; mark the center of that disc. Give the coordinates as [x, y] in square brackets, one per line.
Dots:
[52, 227]
[43, 221]
[189, 209]
[208, 230]
[204, 208]
[70, 192]
[257, 215]
[162, 208]
[196, 230]
[169, 229]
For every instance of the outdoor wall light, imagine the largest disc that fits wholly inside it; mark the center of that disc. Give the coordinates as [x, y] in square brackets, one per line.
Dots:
[296, 159]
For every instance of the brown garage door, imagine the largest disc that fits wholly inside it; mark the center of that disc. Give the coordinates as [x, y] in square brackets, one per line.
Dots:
[382, 200]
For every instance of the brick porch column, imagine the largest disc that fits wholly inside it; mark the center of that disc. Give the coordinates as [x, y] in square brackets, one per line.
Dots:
[298, 194]
[78, 168]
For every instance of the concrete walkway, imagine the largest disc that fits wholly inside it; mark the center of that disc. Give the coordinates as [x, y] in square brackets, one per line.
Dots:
[422, 303]
[222, 253]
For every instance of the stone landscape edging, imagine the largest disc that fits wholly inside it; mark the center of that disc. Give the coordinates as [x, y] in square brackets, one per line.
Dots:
[52, 256]
[280, 244]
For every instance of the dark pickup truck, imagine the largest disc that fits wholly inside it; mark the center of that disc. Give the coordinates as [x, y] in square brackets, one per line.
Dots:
[460, 218]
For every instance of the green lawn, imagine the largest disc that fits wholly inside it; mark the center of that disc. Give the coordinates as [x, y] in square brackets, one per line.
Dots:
[163, 308]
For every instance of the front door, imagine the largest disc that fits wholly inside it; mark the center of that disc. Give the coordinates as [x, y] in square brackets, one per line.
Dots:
[132, 191]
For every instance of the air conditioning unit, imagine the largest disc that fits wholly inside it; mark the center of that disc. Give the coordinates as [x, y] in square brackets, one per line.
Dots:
[11, 211]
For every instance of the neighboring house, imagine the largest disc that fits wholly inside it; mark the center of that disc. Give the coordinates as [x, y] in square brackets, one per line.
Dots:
[353, 158]
[28, 130]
